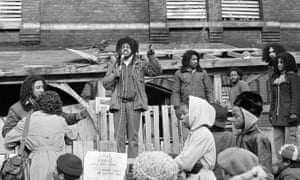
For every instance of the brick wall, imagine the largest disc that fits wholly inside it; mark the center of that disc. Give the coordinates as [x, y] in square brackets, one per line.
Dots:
[189, 36]
[92, 12]
[242, 37]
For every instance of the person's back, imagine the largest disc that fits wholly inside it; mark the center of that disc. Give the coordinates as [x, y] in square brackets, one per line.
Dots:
[223, 138]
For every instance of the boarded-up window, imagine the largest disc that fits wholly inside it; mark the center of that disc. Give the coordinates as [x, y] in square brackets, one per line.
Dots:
[240, 9]
[186, 9]
[10, 14]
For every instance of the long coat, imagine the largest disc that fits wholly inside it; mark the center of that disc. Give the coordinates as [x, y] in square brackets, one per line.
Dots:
[188, 84]
[254, 140]
[45, 140]
[16, 113]
[285, 100]
[139, 70]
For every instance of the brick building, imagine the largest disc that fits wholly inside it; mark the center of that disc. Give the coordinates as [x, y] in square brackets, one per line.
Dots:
[243, 23]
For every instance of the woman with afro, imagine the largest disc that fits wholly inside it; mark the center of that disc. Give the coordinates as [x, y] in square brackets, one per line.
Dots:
[45, 139]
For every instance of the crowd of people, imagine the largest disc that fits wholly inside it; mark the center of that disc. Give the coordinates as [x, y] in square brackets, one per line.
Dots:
[210, 152]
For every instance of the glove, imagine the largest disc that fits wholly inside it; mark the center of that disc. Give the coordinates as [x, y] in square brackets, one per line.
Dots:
[83, 114]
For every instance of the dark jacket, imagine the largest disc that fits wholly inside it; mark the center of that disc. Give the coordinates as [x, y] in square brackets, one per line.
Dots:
[254, 140]
[223, 140]
[139, 70]
[285, 100]
[195, 84]
[289, 174]
[17, 113]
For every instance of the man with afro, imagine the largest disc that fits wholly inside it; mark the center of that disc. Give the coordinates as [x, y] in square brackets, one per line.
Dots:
[125, 78]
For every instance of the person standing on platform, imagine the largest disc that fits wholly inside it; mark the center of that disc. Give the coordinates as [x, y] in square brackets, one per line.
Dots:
[125, 77]
[191, 79]
[285, 102]
[237, 84]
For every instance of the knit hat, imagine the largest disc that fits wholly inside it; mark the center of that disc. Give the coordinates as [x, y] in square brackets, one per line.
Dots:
[236, 161]
[221, 116]
[69, 164]
[251, 101]
[289, 151]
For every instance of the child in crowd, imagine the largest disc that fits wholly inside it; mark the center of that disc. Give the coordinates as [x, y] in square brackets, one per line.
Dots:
[68, 167]
[223, 138]
[240, 164]
[246, 110]
[199, 146]
[289, 165]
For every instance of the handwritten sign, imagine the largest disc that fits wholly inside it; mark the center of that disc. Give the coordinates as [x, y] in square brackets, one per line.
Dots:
[104, 165]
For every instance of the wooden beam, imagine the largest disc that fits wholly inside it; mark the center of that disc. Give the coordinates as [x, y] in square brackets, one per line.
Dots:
[66, 88]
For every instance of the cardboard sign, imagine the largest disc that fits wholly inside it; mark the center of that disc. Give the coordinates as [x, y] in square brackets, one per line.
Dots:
[104, 165]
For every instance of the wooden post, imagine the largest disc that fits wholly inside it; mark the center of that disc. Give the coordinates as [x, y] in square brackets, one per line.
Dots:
[218, 87]
[100, 89]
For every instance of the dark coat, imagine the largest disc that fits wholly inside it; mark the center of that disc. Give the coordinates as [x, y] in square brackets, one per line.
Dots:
[289, 174]
[16, 113]
[254, 140]
[285, 101]
[187, 83]
[139, 70]
[223, 139]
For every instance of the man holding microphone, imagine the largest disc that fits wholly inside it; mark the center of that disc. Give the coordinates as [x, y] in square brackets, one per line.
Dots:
[125, 78]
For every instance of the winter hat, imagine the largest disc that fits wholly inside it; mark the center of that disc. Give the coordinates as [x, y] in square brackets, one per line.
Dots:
[236, 161]
[221, 116]
[250, 101]
[69, 164]
[289, 151]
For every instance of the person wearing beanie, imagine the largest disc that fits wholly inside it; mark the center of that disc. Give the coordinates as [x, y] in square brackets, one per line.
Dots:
[240, 164]
[285, 102]
[68, 167]
[246, 111]
[198, 116]
[223, 138]
[288, 167]
[125, 78]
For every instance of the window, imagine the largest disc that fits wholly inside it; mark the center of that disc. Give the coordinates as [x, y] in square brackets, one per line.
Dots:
[244, 10]
[186, 9]
[10, 14]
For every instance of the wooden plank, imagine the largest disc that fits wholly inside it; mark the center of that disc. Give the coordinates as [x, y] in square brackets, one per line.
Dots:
[103, 124]
[186, 10]
[185, 3]
[156, 128]
[175, 127]
[10, 3]
[240, 5]
[186, 17]
[111, 127]
[239, 2]
[218, 87]
[141, 136]
[240, 16]
[148, 129]
[238, 13]
[10, 11]
[66, 88]
[80, 148]
[240, 9]
[10, 16]
[186, 7]
[166, 129]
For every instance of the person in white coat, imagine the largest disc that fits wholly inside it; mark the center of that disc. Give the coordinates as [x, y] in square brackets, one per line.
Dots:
[199, 147]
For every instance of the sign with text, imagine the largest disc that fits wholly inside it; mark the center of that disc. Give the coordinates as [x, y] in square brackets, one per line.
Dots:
[104, 165]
